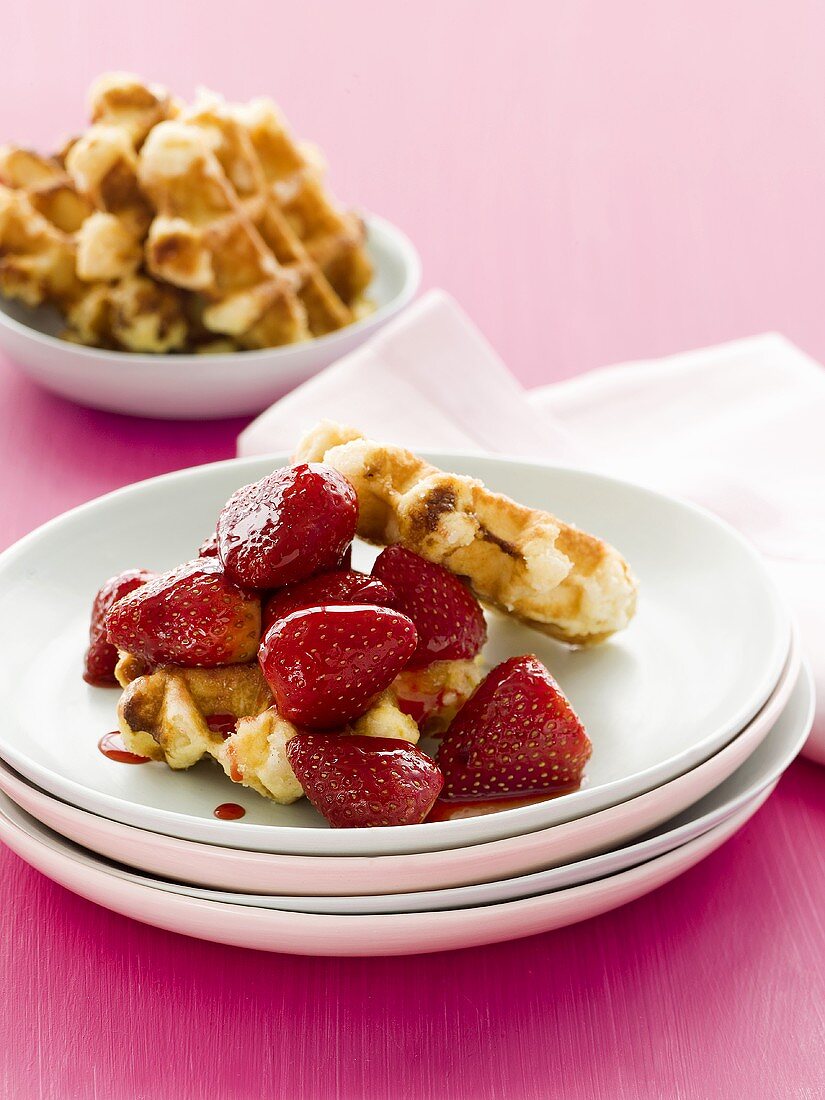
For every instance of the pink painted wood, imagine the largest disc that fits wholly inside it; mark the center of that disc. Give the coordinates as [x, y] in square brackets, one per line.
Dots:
[593, 182]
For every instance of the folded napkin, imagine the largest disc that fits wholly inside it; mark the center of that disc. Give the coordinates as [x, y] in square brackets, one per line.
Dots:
[737, 428]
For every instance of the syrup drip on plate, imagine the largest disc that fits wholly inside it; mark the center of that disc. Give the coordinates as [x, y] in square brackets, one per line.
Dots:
[229, 811]
[448, 810]
[113, 748]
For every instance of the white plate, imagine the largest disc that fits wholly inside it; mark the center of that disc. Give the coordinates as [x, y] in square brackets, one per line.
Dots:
[760, 773]
[258, 872]
[376, 934]
[201, 387]
[704, 653]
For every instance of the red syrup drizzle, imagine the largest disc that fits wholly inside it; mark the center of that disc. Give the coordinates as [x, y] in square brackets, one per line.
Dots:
[112, 747]
[224, 724]
[449, 810]
[229, 811]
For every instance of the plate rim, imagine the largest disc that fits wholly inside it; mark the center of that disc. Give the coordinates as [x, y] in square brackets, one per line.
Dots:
[375, 841]
[645, 848]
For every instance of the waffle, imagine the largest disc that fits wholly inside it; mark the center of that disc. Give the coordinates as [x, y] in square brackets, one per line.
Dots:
[37, 260]
[216, 205]
[48, 186]
[525, 562]
[202, 239]
[163, 715]
[333, 239]
[231, 143]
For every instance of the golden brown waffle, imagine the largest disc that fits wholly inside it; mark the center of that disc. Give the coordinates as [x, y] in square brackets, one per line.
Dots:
[333, 238]
[164, 715]
[202, 239]
[125, 101]
[47, 185]
[525, 562]
[242, 251]
[37, 260]
[231, 143]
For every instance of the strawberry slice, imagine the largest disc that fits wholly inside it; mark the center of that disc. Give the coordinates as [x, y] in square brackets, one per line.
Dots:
[517, 734]
[192, 616]
[447, 616]
[325, 665]
[101, 656]
[342, 586]
[297, 521]
[363, 782]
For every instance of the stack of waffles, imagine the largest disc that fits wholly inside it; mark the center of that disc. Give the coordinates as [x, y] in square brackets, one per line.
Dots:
[168, 227]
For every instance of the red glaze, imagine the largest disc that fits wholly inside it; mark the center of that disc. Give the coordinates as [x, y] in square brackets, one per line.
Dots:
[229, 811]
[362, 782]
[297, 521]
[341, 586]
[224, 724]
[112, 747]
[516, 736]
[451, 811]
[325, 665]
[192, 616]
[447, 616]
[209, 547]
[101, 656]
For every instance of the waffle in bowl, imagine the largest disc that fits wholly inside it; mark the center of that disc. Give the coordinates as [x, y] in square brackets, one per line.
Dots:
[203, 228]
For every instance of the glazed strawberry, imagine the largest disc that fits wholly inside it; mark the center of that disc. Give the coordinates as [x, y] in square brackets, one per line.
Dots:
[209, 547]
[362, 782]
[191, 616]
[517, 734]
[101, 656]
[341, 586]
[295, 522]
[447, 616]
[325, 665]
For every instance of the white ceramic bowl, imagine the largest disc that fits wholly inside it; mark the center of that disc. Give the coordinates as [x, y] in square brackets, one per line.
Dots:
[201, 387]
[758, 774]
[259, 872]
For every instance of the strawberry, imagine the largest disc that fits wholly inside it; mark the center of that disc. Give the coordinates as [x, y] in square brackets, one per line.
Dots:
[192, 616]
[297, 521]
[447, 616]
[362, 782]
[101, 656]
[342, 586]
[209, 547]
[517, 734]
[326, 665]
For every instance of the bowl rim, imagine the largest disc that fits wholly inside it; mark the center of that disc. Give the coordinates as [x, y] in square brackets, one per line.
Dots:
[399, 241]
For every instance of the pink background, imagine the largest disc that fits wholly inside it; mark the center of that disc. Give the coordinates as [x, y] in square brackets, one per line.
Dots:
[593, 182]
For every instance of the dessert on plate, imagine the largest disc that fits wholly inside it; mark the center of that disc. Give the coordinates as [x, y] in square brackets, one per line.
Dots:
[298, 675]
[174, 227]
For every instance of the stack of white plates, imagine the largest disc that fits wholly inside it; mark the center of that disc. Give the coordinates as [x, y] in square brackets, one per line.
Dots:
[694, 713]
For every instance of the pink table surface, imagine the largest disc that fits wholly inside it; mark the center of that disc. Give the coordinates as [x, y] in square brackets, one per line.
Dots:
[593, 182]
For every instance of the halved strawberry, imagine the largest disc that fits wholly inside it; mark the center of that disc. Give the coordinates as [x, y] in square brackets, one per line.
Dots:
[101, 656]
[447, 616]
[295, 522]
[191, 616]
[517, 734]
[363, 782]
[325, 665]
[342, 586]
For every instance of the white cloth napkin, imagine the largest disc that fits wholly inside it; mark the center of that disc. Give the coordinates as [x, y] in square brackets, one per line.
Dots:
[738, 428]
